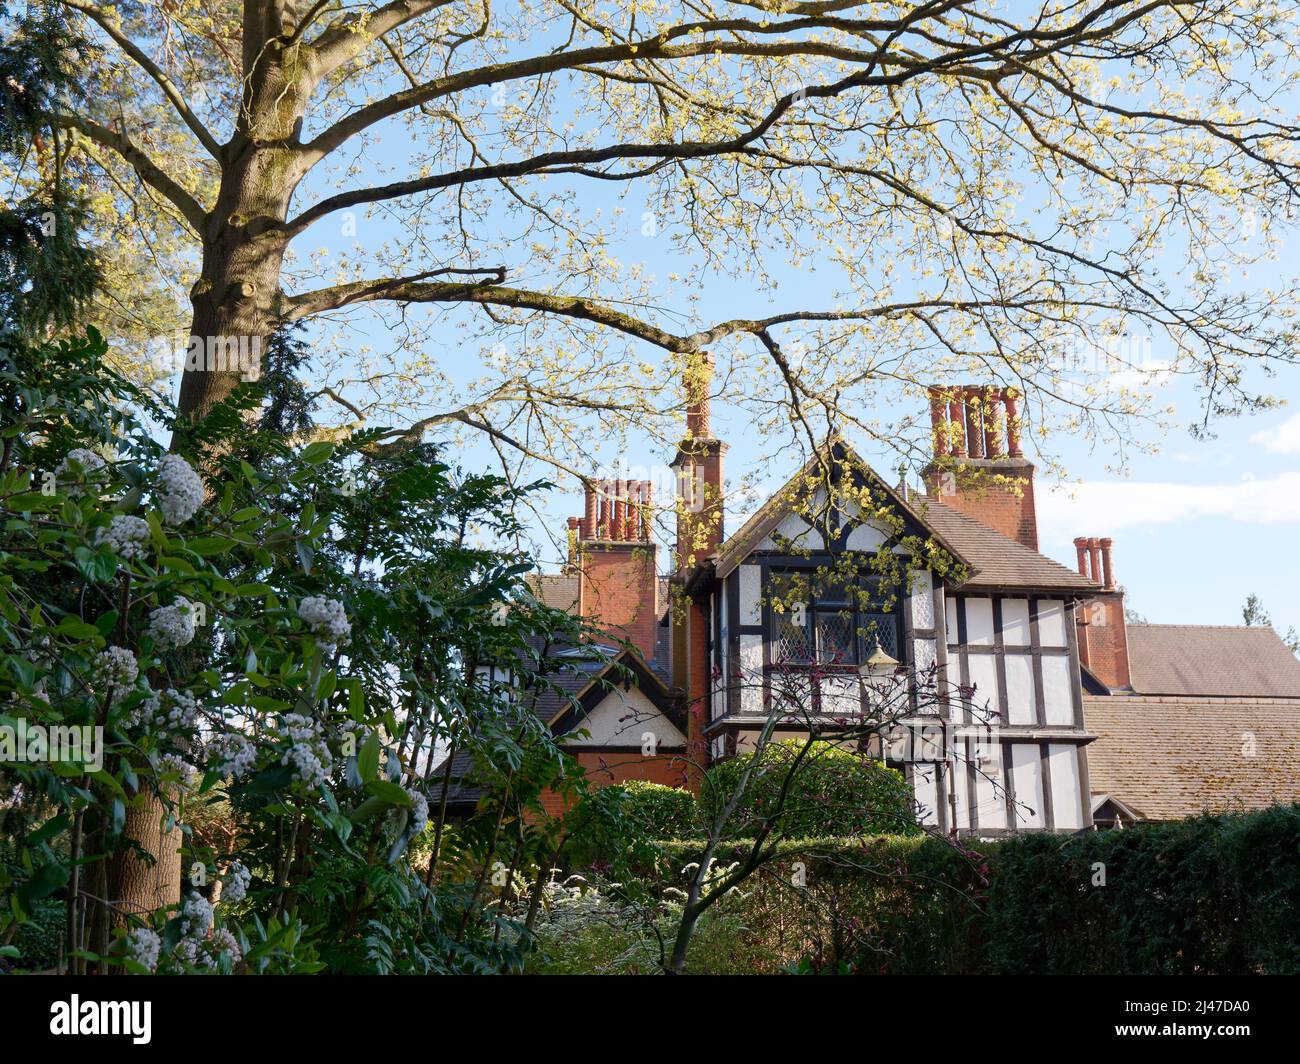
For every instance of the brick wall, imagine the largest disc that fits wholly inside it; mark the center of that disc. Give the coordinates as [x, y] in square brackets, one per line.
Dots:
[618, 591]
[613, 766]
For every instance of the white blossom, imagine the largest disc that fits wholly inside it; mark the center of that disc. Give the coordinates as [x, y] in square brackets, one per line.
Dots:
[172, 626]
[196, 917]
[309, 766]
[79, 464]
[175, 763]
[327, 620]
[172, 710]
[419, 811]
[233, 754]
[180, 490]
[126, 535]
[223, 941]
[142, 946]
[116, 669]
[235, 888]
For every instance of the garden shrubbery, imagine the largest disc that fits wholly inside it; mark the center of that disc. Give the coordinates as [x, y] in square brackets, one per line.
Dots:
[1211, 895]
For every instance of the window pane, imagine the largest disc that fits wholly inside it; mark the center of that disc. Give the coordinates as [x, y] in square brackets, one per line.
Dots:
[835, 638]
[791, 641]
[882, 626]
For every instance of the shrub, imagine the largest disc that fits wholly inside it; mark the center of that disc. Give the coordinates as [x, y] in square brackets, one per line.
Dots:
[834, 792]
[666, 812]
[1211, 895]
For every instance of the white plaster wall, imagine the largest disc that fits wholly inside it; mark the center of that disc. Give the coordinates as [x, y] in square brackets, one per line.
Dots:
[1051, 623]
[926, 789]
[751, 592]
[1020, 689]
[751, 673]
[1067, 802]
[921, 599]
[990, 787]
[841, 696]
[1027, 781]
[959, 785]
[985, 702]
[1058, 691]
[1015, 622]
[623, 718]
[866, 537]
[979, 621]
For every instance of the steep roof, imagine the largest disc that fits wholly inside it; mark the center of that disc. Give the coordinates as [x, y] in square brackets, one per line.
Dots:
[768, 516]
[1169, 758]
[559, 591]
[1211, 661]
[998, 560]
[993, 559]
[582, 678]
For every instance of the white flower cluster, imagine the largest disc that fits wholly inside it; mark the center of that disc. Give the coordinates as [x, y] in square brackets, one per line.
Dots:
[79, 463]
[142, 946]
[116, 669]
[232, 754]
[327, 620]
[180, 490]
[196, 917]
[205, 952]
[126, 535]
[419, 811]
[310, 754]
[235, 888]
[189, 775]
[172, 627]
[170, 710]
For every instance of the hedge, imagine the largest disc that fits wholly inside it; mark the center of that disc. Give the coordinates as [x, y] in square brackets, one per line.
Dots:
[1211, 895]
[833, 792]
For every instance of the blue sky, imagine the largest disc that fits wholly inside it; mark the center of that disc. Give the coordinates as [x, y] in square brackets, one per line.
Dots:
[1197, 525]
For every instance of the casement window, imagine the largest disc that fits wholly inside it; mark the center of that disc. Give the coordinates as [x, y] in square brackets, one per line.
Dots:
[835, 629]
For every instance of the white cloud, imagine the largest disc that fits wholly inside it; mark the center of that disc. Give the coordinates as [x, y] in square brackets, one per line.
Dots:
[1281, 439]
[1104, 507]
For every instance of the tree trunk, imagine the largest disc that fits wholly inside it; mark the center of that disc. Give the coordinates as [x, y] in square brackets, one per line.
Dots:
[139, 886]
[236, 307]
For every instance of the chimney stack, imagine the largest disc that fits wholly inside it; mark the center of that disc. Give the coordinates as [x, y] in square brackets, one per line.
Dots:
[618, 563]
[699, 505]
[978, 466]
[1101, 622]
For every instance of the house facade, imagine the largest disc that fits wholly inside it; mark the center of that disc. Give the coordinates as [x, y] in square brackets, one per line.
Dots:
[924, 624]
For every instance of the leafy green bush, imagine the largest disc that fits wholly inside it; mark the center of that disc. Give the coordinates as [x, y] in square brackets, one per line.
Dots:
[832, 792]
[1211, 895]
[665, 812]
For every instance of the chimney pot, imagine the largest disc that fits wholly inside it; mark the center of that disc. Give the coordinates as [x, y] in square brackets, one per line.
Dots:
[957, 425]
[1011, 400]
[589, 514]
[1081, 546]
[699, 382]
[1108, 580]
[939, 422]
[974, 429]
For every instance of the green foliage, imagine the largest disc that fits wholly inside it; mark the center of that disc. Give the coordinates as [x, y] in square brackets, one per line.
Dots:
[660, 811]
[1211, 895]
[831, 791]
[339, 727]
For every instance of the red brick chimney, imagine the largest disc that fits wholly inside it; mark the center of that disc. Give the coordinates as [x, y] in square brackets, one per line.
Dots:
[618, 562]
[700, 530]
[971, 470]
[1101, 623]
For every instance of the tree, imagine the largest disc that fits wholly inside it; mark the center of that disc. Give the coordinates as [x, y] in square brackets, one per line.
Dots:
[999, 194]
[1254, 615]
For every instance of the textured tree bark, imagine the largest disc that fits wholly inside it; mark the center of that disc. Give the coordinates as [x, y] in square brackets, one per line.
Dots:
[139, 885]
[236, 304]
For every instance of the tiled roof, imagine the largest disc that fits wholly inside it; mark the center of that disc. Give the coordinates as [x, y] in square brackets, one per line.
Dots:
[1169, 758]
[998, 560]
[1199, 660]
[556, 590]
